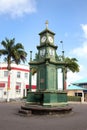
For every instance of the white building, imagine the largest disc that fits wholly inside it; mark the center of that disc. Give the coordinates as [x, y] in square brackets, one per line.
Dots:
[18, 80]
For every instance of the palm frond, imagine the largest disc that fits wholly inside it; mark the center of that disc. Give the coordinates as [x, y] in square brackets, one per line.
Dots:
[72, 64]
[13, 52]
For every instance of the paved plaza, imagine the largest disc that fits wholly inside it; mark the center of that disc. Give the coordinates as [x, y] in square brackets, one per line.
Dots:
[10, 120]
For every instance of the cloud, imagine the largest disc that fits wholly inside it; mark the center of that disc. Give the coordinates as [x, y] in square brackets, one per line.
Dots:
[84, 28]
[81, 51]
[72, 77]
[17, 8]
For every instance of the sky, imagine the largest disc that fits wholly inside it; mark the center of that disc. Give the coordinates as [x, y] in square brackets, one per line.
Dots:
[25, 19]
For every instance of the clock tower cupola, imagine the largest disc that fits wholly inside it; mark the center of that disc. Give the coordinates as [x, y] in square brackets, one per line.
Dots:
[46, 36]
[47, 49]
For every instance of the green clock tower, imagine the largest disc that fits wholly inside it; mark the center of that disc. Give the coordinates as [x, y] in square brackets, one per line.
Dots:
[46, 65]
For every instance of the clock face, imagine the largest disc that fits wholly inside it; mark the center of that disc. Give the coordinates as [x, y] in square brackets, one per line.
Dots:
[50, 39]
[43, 39]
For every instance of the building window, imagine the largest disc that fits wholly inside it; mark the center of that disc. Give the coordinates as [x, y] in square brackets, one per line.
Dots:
[18, 87]
[5, 73]
[78, 94]
[18, 74]
[5, 93]
[26, 75]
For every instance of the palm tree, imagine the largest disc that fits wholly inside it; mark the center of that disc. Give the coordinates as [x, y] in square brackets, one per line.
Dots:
[13, 53]
[72, 65]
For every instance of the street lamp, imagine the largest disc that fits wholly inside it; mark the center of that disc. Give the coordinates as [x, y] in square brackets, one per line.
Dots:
[30, 71]
[63, 69]
[30, 55]
[62, 50]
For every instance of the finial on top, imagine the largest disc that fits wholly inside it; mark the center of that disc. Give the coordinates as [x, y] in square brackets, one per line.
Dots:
[46, 23]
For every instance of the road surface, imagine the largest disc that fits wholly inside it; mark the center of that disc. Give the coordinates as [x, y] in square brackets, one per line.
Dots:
[10, 120]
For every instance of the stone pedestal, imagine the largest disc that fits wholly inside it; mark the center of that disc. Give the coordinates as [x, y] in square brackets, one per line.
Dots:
[46, 103]
[51, 98]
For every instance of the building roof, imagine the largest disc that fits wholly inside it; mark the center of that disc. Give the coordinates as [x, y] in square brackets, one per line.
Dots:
[74, 87]
[47, 30]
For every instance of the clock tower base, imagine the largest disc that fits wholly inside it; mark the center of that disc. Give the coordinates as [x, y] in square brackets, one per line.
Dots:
[46, 103]
[51, 98]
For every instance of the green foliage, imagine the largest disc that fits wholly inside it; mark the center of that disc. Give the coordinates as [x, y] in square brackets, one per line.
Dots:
[71, 64]
[12, 52]
[33, 70]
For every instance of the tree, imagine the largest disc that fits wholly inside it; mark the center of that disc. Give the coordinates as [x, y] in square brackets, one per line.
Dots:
[71, 64]
[13, 53]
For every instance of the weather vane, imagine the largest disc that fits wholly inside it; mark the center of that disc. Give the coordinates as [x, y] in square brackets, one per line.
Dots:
[46, 23]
